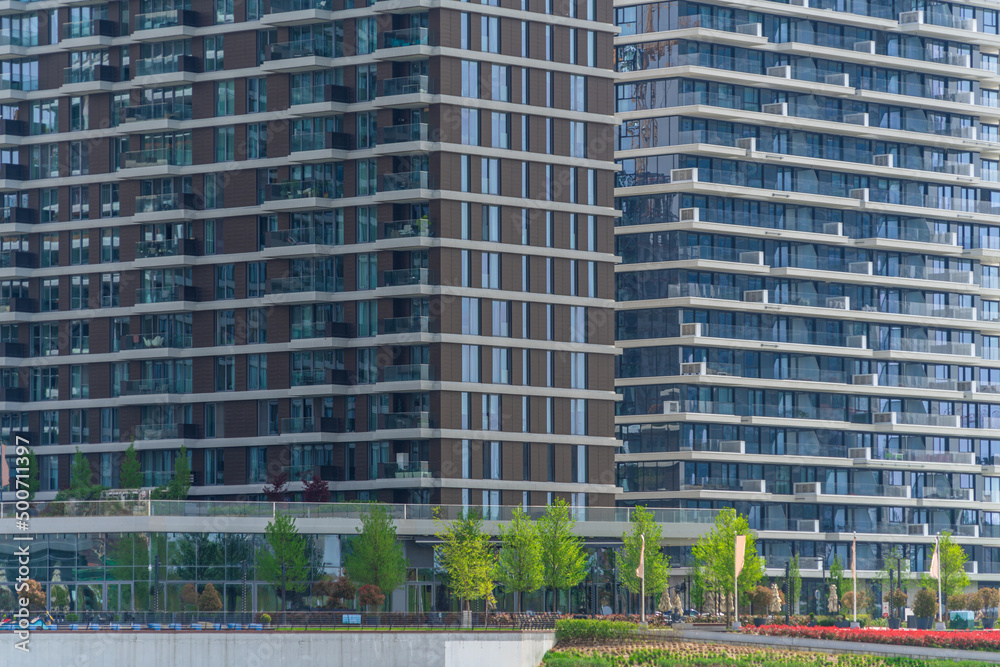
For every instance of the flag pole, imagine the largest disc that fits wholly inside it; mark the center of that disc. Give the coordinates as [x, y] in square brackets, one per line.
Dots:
[642, 579]
[937, 551]
[854, 576]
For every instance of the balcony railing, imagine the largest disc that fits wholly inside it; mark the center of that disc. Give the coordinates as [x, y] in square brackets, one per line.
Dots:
[170, 18]
[397, 420]
[175, 201]
[166, 248]
[401, 325]
[13, 350]
[406, 373]
[167, 65]
[322, 330]
[151, 478]
[305, 236]
[405, 37]
[327, 93]
[17, 304]
[309, 471]
[282, 6]
[13, 128]
[13, 172]
[19, 259]
[154, 341]
[156, 111]
[409, 180]
[154, 386]
[311, 425]
[404, 470]
[92, 28]
[406, 85]
[302, 49]
[17, 214]
[155, 157]
[296, 284]
[317, 141]
[306, 189]
[400, 229]
[165, 431]
[88, 74]
[166, 294]
[394, 134]
[13, 394]
[400, 277]
[310, 378]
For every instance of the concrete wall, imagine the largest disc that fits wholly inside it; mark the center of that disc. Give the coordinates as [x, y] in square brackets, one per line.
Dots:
[264, 649]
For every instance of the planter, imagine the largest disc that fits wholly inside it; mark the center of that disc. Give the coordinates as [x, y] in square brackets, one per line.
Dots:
[923, 622]
[988, 623]
[843, 624]
[759, 622]
[894, 623]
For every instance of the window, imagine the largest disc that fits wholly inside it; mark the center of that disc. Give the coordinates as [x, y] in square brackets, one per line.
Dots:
[225, 98]
[110, 290]
[49, 205]
[579, 464]
[256, 279]
[50, 432]
[213, 237]
[214, 458]
[471, 363]
[44, 116]
[256, 95]
[109, 425]
[490, 34]
[501, 365]
[256, 141]
[577, 92]
[367, 224]
[214, 53]
[578, 416]
[500, 82]
[470, 316]
[225, 373]
[225, 283]
[367, 271]
[256, 371]
[470, 127]
[79, 337]
[79, 202]
[79, 382]
[79, 248]
[366, 83]
[577, 139]
[79, 429]
[256, 465]
[225, 327]
[225, 144]
[367, 129]
[256, 325]
[79, 114]
[109, 200]
[500, 123]
[215, 184]
[490, 270]
[991, 311]
[110, 244]
[490, 176]
[470, 78]
[79, 292]
[224, 11]
[367, 318]
[501, 318]
[44, 339]
[367, 177]
[79, 158]
[365, 29]
[492, 468]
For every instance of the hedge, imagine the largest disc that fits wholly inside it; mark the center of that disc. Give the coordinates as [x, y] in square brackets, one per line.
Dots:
[591, 629]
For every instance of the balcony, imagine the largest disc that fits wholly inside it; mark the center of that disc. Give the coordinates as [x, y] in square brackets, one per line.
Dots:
[321, 94]
[163, 111]
[13, 394]
[399, 420]
[406, 373]
[405, 229]
[13, 350]
[399, 470]
[169, 19]
[90, 29]
[311, 425]
[11, 176]
[414, 84]
[166, 294]
[154, 157]
[164, 66]
[305, 190]
[305, 236]
[405, 325]
[11, 132]
[85, 79]
[12, 92]
[17, 259]
[410, 180]
[403, 277]
[297, 284]
[167, 248]
[151, 478]
[320, 141]
[310, 378]
[17, 215]
[394, 134]
[153, 386]
[308, 472]
[154, 341]
[17, 304]
[321, 330]
[165, 431]
[395, 39]
[162, 203]
[300, 55]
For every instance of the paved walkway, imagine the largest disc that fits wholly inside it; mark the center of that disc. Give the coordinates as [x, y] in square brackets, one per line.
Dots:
[824, 645]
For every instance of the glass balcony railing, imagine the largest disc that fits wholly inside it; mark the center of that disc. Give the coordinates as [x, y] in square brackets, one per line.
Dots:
[167, 65]
[13, 128]
[302, 331]
[157, 111]
[151, 478]
[309, 471]
[89, 74]
[327, 93]
[311, 425]
[406, 85]
[155, 157]
[170, 18]
[309, 378]
[17, 214]
[293, 285]
[154, 341]
[404, 470]
[166, 248]
[154, 386]
[282, 6]
[302, 49]
[403, 325]
[165, 431]
[394, 134]
[317, 141]
[18, 304]
[410, 180]
[393, 39]
[17, 259]
[165, 294]
[398, 229]
[397, 420]
[303, 236]
[400, 277]
[406, 373]
[92, 28]
[174, 201]
[306, 189]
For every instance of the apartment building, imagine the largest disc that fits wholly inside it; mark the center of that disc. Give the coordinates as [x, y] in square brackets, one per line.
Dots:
[370, 242]
[808, 295]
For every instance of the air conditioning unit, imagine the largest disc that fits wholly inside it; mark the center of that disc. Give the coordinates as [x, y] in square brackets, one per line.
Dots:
[838, 302]
[968, 386]
[867, 46]
[807, 526]
[696, 368]
[781, 71]
[691, 329]
[856, 118]
[684, 175]
[671, 407]
[857, 342]
[864, 268]
[690, 214]
[885, 160]
[806, 488]
[755, 296]
[883, 417]
[754, 29]
[837, 80]
[911, 17]
[776, 109]
[858, 193]
[747, 143]
[752, 257]
[867, 379]
[859, 453]
[754, 486]
[833, 228]
[732, 446]
[916, 529]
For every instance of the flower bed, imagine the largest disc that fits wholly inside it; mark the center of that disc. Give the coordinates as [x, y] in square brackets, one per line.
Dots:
[974, 640]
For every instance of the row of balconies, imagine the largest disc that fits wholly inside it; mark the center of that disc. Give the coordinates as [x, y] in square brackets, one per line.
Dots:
[857, 455]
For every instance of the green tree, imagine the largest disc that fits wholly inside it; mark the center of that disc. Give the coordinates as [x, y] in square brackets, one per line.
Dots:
[81, 480]
[375, 555]
[286, 563]
[887, 575]
[952, 566]
[656, 563]
[131, 474]
[209, 599]
[519, 566]
[180, 483]
[715, 553]
[837, 575]
[794, 583]
[564, 561]
[467, 558]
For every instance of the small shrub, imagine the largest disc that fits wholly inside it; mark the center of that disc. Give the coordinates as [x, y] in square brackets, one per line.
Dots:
[264, 618]
[925, 604]
[72, 618]
[593, 630]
